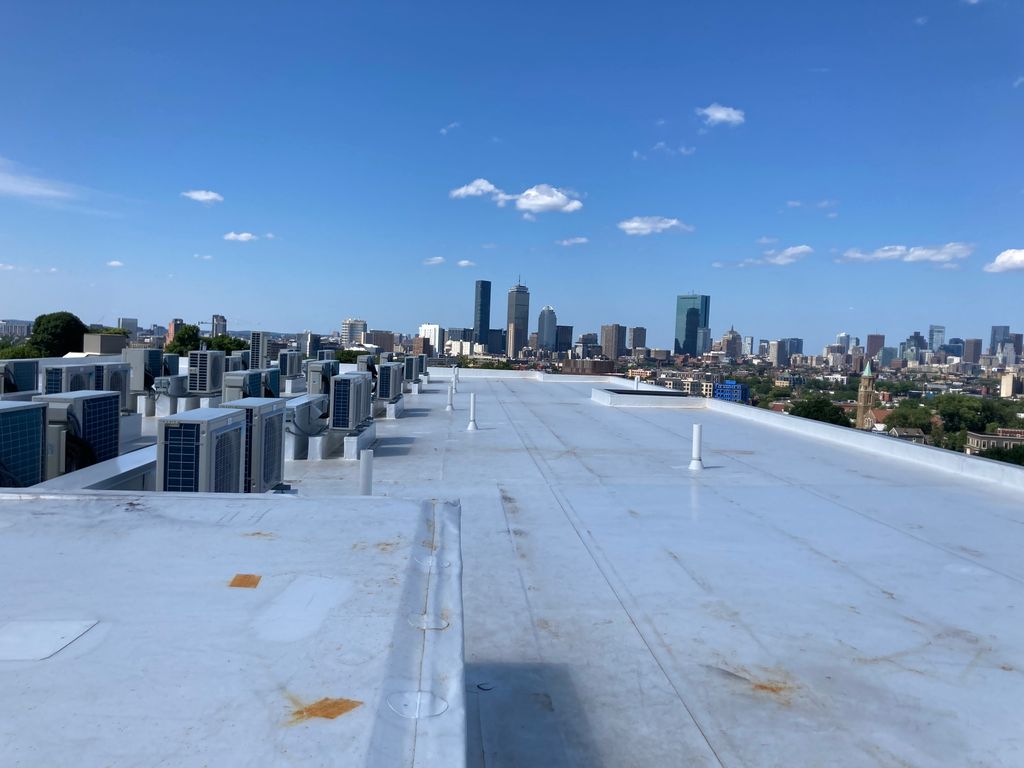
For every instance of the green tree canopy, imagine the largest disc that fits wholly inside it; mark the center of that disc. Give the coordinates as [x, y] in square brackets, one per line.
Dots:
[225, 343]
[1013, 455]
[186, 339]
[57, 333]
[9, 351]
[349, 355]
[113, 331]
[910, 413]
[820, 408]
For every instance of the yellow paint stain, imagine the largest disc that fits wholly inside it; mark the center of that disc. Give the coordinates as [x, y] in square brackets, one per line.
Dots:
[327, 709]
[245, 580]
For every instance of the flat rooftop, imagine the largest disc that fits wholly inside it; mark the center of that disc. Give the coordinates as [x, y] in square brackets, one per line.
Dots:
[799, 602]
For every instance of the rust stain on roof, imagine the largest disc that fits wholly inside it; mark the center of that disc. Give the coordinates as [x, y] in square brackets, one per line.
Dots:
[245, 580]
[328, 709]
[387, 546]
[260, 535]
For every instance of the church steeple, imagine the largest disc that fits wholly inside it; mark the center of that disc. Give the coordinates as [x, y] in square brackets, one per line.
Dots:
[865, 397]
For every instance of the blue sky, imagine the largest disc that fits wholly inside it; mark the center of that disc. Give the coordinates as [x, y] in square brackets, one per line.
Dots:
[814, 167]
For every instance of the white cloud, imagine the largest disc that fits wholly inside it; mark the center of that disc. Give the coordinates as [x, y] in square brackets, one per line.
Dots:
[115, 263]
[716, 114]
[6, 267]
[488, 245]
[1007, 261]
[51, 270]
[832, 215]
[921, 21]
[650, 225]
[541, 198]
[661, 146]
[717, 264]
[660, 121]
[793, 203]
[572, 241]
[544, 197]
[466, 263]
[270, 236]
[433, 261]
[765, 240]
[475, 188]
[972, 2]
[787, 256]
[14, 183]
[827, 203]
[203, 196]
[937, 254]
[202, 256]
[638, 155]
[1018, 82]
[450, 127]
[241, 237]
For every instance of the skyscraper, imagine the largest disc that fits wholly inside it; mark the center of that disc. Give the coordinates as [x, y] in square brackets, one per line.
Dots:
[130, 324]
[748, 345]
[482, 313]
[563, 338]
[258, 349]
[875, 342]
[352, 331]
[936, 337]
[547, 324]
[1000, 335]
[613, 341]
[636, 337]
[693, 311]
[972, 350]
[172, 328]
[732, 344]
[219, 326]
[309, 344]
[843, 339]
[518, 319]
[435, 333]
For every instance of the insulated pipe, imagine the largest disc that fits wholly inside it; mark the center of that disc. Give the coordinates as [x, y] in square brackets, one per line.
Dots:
[636, 382]
[172, 405]
[149, 407]
[472, 412]
[366, 472]
[695, 460]
[451, 394]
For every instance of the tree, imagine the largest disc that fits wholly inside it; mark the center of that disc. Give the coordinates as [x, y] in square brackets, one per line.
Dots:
[910, 413]
[820, 408]
[113, 331]
[349, 355]
[57, 333]
[10, 351]
[186, 339]
[1014, 455]
[224, 343]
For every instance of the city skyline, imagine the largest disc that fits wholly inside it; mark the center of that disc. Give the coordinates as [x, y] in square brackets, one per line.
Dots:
[769, 159]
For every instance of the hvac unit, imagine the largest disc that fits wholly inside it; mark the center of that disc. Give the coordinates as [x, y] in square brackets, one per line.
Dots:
[318, 376]
[68, 378]
[146, 365]
[93, 423]
[205, 371]
[271, 382]
[289, 363]
[326, 354]
[201, 451]
[363, 361]
[233, 363]
[389, 381]
[423, 364]
[171, 365]
[350, 401]
[22, 443]
[307, 414]
[412, 368]
[172, 386]
[385, 357]
[264, 442]
[239, 384]
[18, 376]
[115, 377]
[244, 355]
